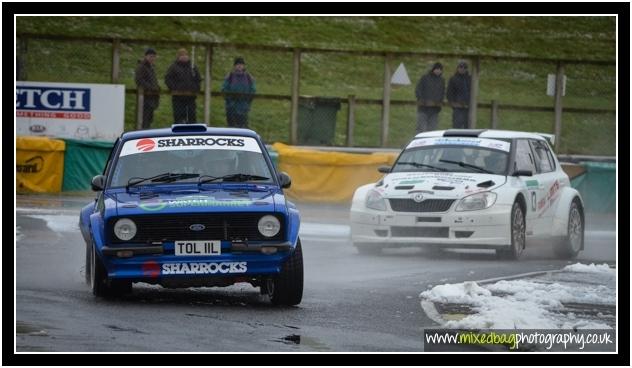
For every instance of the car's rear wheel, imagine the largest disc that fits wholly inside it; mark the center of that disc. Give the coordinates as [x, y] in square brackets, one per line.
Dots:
[573, 242]
[287, 287]
[368, 248]
[100, 284]
[518, 235]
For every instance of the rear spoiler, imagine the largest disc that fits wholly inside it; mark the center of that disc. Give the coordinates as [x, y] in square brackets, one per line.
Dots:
[548, 137]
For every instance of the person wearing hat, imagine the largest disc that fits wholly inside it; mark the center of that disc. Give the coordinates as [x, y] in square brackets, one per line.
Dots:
[429, 92]
[239, 88]
[183, 79]
[458, 95]
[146, 80]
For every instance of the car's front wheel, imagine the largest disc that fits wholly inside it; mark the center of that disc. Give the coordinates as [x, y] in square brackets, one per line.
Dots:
[573, 242]
[99, 283]
[287, 287]
[518, 234]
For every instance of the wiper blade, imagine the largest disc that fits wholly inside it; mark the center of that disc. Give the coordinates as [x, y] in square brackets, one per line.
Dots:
[417, 164]
[463, 164]
[230, 177]
[167, 177]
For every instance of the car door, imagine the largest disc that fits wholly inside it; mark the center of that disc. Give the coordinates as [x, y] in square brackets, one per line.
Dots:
[524, 161]
[549, 185]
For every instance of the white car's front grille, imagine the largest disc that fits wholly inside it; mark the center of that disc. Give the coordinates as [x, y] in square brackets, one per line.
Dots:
[428, 205]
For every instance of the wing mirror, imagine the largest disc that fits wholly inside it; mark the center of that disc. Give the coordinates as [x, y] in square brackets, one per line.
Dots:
[98, 183]
[384, 169]
[284, 180]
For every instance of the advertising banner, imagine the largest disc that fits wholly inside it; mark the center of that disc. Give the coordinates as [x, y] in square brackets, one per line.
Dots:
[70, 110]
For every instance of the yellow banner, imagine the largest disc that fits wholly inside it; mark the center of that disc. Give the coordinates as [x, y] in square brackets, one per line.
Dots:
[39, 164]
[319, 176]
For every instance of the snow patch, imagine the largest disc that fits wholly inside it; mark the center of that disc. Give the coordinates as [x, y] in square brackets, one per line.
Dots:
[591, 268]
[18, 234]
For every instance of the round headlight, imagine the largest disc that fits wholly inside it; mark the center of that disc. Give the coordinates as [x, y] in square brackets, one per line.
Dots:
[269, 226]
[125, 229]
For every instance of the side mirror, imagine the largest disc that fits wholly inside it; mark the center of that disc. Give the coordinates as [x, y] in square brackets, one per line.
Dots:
[523, 173]
[384, 169]
[98, 183]
[284, 180]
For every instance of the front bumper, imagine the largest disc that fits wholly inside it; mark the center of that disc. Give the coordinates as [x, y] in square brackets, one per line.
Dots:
[489, 228]
[158, 262]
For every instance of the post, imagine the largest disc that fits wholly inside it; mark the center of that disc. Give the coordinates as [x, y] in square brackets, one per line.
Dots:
[350, 120]
[559, 80]
[116, 60]
[21, 74]
[207, 84]
[474, 94]
[296, 69]
[494, 114]
[140, 101]
[386, 100]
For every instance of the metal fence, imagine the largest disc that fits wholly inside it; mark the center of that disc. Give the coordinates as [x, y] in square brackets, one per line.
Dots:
[343, 97]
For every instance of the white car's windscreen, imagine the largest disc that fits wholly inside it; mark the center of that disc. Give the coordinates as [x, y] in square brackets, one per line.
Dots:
[450, 158]
[210, 156]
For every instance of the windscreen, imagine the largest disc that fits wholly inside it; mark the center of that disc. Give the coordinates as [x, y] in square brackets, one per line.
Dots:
[210, 156]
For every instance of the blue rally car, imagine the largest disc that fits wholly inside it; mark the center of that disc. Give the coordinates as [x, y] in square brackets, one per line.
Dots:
[192, 206]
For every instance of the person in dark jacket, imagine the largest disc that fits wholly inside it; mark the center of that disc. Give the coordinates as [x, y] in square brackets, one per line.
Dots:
[146, 80]
[238, 106]
[459, 96]
[429, 92]
[183, 80]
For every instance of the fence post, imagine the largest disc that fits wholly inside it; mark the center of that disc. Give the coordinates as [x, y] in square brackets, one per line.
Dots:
[22, 49]
[116, 60]
[296, 70]
[386, 100]
[140, 102]
[474, 93]
[494, 114]
[350, 120]
[558, 105]
[207, 84]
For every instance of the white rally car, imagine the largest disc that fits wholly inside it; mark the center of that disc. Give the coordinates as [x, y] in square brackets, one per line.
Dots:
[471, 189]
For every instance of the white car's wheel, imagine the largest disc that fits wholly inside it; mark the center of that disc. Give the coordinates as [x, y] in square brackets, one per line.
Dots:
[518, 234]
[573, 242]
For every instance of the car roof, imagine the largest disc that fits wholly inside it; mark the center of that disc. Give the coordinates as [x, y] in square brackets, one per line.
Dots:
[481, 133]
[188, 129]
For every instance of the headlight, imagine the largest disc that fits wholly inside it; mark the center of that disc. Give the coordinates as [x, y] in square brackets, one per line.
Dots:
[478, 201]
[375, 201]
[125, 229]
[269, 226]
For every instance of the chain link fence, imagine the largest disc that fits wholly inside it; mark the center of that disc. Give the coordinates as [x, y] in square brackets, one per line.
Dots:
[341, 100]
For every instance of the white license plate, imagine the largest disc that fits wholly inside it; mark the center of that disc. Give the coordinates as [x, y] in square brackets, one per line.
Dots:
[198, 247]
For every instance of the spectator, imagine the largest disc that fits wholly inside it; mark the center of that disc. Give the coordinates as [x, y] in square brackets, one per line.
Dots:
[429, 92]
[146, 79]
[183, 80]
[458, 95]
[238, 106]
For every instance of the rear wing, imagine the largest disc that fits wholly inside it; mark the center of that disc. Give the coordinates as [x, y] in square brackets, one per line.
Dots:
[549, 137]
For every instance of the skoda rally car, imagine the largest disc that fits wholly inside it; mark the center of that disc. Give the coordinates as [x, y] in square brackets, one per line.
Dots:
[471, 189]
[192, 206]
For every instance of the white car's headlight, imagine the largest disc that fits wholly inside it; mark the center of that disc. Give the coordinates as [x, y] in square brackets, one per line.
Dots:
[375, 201]
[125, 229]
[478, 201]
[269, 226]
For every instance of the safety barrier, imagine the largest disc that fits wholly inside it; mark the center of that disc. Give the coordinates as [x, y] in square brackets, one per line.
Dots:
[39, 164]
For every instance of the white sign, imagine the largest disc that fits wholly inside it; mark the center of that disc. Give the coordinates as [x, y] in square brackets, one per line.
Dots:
[70, 110]
[401, 76]
[195, 142]
[461, 141]
[550, 85]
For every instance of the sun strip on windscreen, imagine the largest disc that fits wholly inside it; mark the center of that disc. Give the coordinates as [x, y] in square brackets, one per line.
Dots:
[461, 141]
[194, 142]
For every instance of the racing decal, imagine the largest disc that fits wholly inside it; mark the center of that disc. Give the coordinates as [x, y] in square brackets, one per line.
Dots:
[403, 182]
[461, 141]
[203, 268]
[192, 201]
[532, 184]
[550, 197]
[151, 269]
[197, 142]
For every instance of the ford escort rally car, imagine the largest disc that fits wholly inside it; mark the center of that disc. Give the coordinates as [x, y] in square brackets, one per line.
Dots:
[192, 206]
[471, 189]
